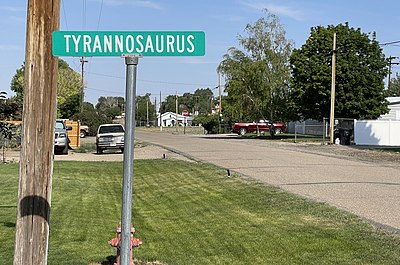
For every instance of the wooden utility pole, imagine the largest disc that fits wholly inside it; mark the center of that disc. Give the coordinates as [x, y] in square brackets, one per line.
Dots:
[147, 111]
[332, 120]
[39, 113]
[176, 111]
[155, 111]
[83, 61]
[159, 110]
[390, 68]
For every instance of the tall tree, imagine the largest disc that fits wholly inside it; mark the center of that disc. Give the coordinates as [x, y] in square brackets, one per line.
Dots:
[69, 86]
[168, 105]
[360, 70]
[257, 76]
[394, 87]
[201, 101]
[10, 109]
[110, 106]
[144, 108]
[17, 82]
[186, 101]
[92, 118]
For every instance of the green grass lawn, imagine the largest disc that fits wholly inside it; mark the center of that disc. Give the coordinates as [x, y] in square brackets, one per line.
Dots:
[190, 213]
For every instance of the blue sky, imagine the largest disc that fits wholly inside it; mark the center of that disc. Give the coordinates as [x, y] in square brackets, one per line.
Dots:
[221, 20]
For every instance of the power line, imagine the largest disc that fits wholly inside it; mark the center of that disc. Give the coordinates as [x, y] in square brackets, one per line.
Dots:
[102, 90]
[389, 43]
[84, 14]
[151, 81]
[101, 9]
[114, 92]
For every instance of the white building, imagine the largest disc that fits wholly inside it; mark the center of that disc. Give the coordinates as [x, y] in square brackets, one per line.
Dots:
[384, 131]
[168, 119]
[394, 109]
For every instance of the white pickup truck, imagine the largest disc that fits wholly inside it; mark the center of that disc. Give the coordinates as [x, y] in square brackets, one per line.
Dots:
[84, 131]
[110, 136]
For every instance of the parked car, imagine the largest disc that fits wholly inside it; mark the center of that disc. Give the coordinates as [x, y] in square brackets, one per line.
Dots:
[261, 126]
[84, 131]
[110, 136]
[61, 141]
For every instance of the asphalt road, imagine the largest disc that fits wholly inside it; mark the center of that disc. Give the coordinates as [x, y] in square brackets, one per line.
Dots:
[367, 189]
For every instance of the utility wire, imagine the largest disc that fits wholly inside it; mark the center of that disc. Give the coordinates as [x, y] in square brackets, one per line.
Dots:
[101, 9]
[84, 15]
[389, 43]
[151, 81]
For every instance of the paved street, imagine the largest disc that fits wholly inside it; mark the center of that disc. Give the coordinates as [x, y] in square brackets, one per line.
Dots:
[370, 190]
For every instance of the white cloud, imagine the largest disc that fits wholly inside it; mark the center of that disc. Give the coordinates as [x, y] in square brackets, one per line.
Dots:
[139, 3]
[276, 9]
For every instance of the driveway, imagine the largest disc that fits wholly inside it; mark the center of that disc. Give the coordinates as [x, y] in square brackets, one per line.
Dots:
[350, 179]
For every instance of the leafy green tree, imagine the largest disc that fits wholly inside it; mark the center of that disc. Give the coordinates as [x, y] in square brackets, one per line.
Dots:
[186, 101]
[10, 109]
[210, 122]
[257, 76]
[394, 87]
[360, 70]
[104, 103]
[110, 106]
[144, 107]
[87, 106]
[17, 82]
[69, 88]
[90, 117]
[93, 120]
[203, 100]
[168, 105]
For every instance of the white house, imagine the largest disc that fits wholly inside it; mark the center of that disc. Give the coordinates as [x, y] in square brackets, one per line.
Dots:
[394, 109]
[384, 131]
[168, 119]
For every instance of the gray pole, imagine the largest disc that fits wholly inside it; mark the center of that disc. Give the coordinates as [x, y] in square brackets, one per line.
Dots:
[332, 119]
[131, 69]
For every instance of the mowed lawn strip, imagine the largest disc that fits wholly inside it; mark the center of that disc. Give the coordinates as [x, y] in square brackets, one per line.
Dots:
[192, 213]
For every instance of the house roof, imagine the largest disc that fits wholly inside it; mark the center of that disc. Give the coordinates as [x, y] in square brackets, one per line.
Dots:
[167, 115]
[393, 100]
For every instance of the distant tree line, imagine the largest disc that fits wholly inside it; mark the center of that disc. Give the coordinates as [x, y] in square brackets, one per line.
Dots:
[265, 78]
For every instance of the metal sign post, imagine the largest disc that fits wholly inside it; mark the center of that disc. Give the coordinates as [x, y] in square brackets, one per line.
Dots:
[130, 124]
[130, 45]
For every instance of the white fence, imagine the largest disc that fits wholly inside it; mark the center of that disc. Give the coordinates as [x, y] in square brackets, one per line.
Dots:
[377, 132]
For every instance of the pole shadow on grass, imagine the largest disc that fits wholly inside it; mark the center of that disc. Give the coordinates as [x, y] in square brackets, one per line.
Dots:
[9, 224]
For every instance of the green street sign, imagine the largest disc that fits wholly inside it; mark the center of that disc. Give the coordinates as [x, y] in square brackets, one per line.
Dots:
[118, 43]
